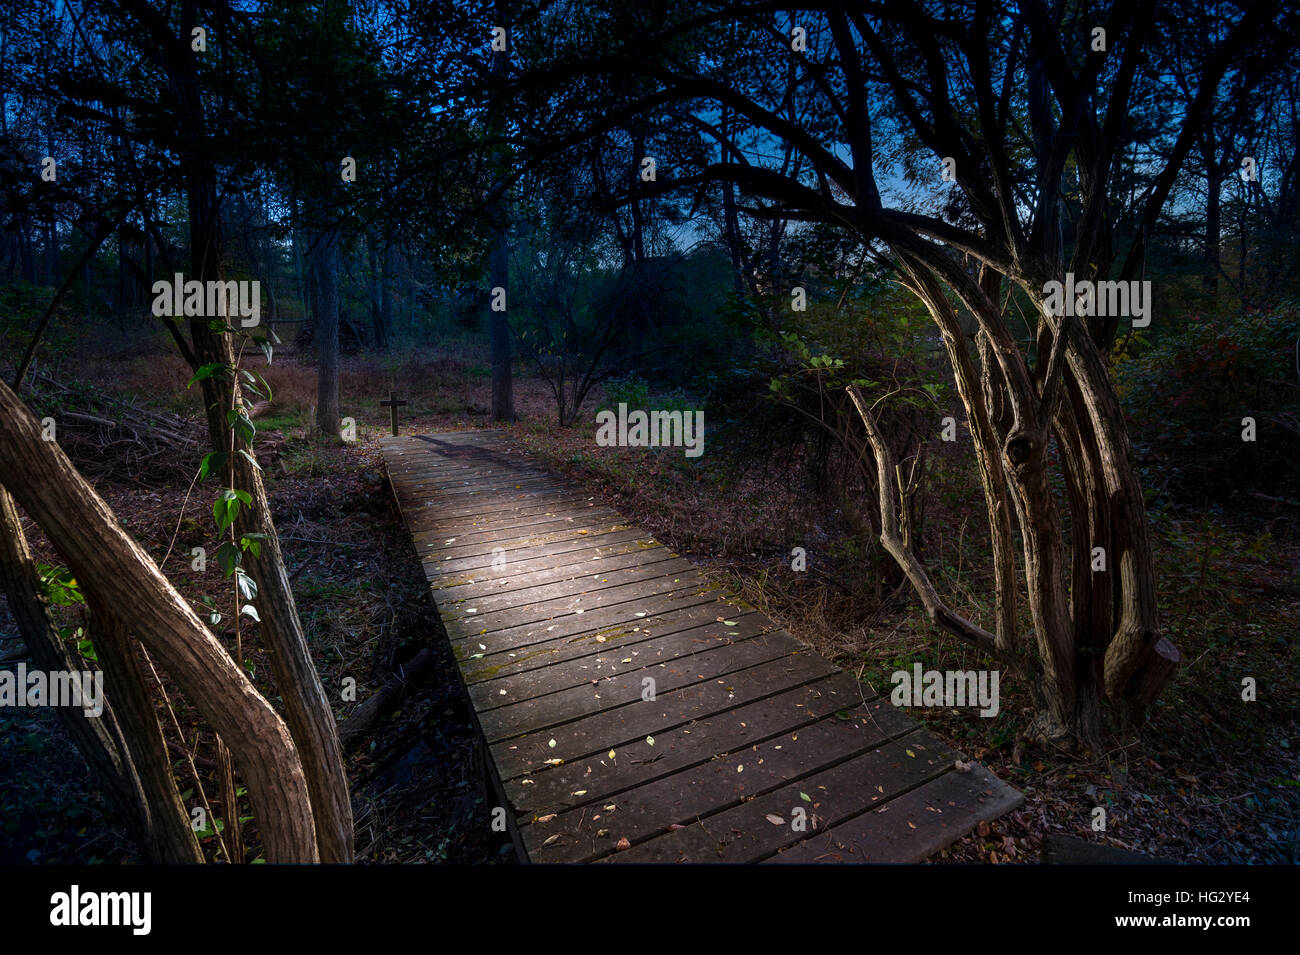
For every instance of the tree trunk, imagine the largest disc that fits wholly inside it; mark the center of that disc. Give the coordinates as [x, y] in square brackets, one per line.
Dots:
[503, 404]
[307, 709]
[108, 563]
[172, 837]
[100, 741]
[386, 292]
[378, 331]
[326, 331]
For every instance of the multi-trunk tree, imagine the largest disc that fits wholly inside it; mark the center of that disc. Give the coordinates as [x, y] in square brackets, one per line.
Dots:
[1025, 109]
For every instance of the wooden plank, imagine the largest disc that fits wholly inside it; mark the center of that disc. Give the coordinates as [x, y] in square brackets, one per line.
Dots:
[547, 570]
[610, 540]
[599, 663]
[463, 625]
[570, 532]
[608, 640]
[695, 742]
[520, 596]
[746, 832]
[934, 815]
[619, 726]
[481, 521]
[680, 799]
[562, 706]
[425, 517]
[424, 510]
[492, 536]
[585, 628]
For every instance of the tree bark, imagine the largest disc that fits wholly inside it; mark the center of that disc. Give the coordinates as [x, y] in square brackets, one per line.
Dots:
[109, 563]
[171, 835]
[326, 331]
[100, 741]
[503, 402]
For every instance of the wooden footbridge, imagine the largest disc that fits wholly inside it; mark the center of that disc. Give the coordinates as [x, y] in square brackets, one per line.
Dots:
[631, 714]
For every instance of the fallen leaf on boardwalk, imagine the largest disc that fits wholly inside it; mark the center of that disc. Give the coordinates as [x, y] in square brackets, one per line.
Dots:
[805, 797]
[910, 826]
[553, 762]
[740, 768]
[602, 833]
[600, 639]
[623, 844]
[675, 826]
[650, 740]
[910, 753]
[581, 792]
[728, 623]
[546, 818]
[551, 744]
[611, 754]
[774, 819]
[609, 808]
[961, 767]
[550, 840]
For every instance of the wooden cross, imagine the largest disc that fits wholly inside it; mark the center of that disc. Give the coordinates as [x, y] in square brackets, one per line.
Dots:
[392, 404]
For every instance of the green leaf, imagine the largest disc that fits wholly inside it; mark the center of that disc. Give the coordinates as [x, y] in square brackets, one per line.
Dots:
[256, 383]
[225, 509]
[246, 585]
[248, 610]
[229, 557]
[207, 371]
[253, 543]
[214, 462]
[245, 428]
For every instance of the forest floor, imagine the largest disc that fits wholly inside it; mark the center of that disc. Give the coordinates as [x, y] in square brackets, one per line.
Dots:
[1211, 778]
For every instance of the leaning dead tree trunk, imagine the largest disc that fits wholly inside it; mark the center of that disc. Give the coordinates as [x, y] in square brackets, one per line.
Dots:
[112, 568]
[102, 741]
